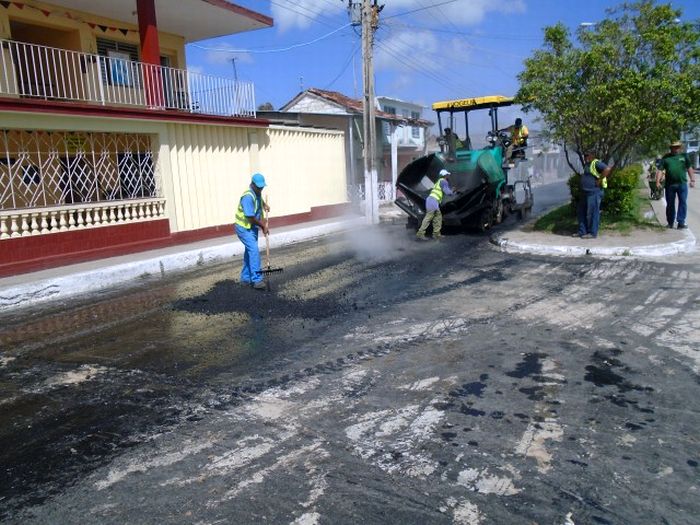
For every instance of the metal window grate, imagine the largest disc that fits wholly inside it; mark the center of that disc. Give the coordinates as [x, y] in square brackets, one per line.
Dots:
[40, 168]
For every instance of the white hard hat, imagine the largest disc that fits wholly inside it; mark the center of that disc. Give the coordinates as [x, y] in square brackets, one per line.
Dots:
[444, 173]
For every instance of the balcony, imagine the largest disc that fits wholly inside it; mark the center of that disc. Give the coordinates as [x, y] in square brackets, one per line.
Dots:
[49, 73]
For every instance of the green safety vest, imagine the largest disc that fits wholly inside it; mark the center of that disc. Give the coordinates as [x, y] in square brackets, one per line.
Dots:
[594, 172]
[241, 219]
[436, 192]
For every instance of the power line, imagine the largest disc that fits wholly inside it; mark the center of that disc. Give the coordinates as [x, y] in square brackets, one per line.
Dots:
[464, 33]
[317, 16]
[421, 9]
[279, 50]
[313, 19]
[345, 66]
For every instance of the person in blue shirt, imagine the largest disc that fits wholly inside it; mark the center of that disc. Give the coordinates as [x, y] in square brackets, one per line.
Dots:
[593, 181]
[432, 206]
[248, 219]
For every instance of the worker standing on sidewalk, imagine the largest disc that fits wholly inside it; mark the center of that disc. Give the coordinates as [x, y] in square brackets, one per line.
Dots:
[248, 220]
[593, 181]
[678, 171]
[432, 206]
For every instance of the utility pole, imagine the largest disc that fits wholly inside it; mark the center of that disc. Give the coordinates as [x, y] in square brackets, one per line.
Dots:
[370, 22]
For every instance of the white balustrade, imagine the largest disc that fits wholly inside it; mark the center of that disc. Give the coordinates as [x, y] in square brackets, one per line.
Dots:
[30, 70]
[42, 221]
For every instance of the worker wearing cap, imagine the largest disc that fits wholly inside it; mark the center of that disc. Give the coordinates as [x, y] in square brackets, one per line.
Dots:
[248, 219]
[678, 171]
[593, 181]
[518, 138]
[432, 206]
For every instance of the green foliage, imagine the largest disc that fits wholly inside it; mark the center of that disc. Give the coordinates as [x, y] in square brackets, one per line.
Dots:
[622, 88]
[620, 196]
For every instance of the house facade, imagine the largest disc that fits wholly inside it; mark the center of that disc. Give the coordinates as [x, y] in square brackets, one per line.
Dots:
[333, 110]
[109, 145]
[411, 139]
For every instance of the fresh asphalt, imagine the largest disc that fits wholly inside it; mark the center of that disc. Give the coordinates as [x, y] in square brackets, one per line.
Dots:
[381, 380]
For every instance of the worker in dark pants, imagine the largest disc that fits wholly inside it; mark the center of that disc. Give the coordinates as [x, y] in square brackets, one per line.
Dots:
[248, 220]
[678, 171]
[433, 215]
[593, 182]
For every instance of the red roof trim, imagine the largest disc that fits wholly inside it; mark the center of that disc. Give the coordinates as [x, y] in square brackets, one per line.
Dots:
[263, 19]
[89, 110]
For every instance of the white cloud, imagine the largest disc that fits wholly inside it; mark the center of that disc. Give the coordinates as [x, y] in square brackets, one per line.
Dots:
[406, 50]
[302, 13]
[460, 12]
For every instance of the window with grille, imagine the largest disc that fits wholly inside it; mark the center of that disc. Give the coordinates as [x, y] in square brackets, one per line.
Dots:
[387, 125]
[415, 131]
[118, 68]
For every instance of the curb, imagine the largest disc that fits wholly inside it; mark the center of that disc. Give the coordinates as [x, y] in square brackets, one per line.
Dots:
[59, 288]
[653, 250]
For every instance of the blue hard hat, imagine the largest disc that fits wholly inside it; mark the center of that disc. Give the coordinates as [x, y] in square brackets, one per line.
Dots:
[259, 180]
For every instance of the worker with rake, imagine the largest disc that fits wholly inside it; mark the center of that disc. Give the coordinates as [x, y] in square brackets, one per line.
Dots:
[248, 220]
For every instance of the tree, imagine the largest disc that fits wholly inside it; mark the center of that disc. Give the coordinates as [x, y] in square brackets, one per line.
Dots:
[629, 85]
[267, 106]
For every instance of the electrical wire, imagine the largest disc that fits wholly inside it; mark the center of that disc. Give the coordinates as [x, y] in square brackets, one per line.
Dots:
[464, 33]
[317, 16]
[345, 66]
[278, 50]
[421, 9]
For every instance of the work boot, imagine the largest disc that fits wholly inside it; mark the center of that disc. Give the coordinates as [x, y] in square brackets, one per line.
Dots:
[421, 237]
[437, 237]
[260, 285]
[682, 226]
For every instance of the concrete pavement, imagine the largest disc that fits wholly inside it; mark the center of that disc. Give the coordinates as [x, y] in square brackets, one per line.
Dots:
[65, 282]
[659, 242]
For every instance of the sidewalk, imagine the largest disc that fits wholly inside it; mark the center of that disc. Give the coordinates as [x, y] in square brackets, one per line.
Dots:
[65, 282]
[639, 243]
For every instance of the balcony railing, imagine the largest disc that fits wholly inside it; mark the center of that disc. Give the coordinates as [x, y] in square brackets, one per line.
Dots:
[49, 73]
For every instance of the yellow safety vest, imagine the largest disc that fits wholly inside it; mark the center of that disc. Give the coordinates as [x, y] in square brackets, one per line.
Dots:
[436, 192]
[519, 135]
[241, 219]
[594, 172]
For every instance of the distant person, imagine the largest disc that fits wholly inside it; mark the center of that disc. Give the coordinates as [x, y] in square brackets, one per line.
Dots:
[248, 220]
[518, 139]
[452, 141]
[678, 170]
[433, 215]
[593, 182]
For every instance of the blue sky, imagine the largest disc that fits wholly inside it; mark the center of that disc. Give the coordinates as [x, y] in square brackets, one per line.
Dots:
[455, 49]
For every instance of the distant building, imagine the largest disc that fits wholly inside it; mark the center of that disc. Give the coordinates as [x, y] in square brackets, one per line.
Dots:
[331, 109]
[691, 141]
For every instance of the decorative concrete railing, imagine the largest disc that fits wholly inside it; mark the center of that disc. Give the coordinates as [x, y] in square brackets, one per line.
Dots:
[49, 73]
[40, 221]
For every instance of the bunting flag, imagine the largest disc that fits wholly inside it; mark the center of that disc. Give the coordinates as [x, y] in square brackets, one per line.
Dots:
[47, 12]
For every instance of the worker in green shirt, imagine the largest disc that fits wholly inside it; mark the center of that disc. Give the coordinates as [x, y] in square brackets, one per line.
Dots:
[678, 171]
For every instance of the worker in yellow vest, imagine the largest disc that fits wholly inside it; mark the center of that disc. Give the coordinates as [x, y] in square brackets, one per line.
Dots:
[433, 215]
[518, 140]
[593, 181]
[248, 219]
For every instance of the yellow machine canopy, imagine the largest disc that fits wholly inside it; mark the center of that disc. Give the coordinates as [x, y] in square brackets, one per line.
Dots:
[468, 104]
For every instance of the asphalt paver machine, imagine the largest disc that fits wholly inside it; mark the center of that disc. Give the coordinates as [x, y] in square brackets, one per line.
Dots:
[485, 195]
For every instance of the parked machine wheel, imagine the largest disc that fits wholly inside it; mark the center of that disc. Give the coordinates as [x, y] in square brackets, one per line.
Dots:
[485, 220]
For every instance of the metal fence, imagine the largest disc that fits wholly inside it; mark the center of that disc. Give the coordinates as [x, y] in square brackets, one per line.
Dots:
[49, 73]
[385, 192]
[43, 169]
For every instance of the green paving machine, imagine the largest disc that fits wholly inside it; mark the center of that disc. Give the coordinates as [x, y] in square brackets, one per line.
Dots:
[484, 195]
